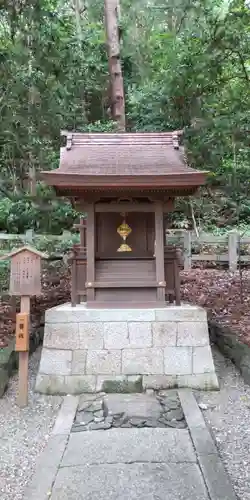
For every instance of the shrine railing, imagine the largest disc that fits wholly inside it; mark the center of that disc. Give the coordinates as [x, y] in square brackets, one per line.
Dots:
[78, 261]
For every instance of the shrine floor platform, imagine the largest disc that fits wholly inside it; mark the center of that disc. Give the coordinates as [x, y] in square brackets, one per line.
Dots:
[125, 350]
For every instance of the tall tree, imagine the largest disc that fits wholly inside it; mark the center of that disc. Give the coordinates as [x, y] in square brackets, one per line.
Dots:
[112, 18]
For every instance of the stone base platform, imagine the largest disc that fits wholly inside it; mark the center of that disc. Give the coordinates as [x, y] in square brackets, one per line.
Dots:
[125, 350]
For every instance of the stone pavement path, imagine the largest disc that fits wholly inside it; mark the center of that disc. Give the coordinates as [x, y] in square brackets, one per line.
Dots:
[103, 411]
[131, 462]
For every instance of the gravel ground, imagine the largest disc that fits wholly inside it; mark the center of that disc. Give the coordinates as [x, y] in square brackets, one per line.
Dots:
[23, 434]
[228, 417]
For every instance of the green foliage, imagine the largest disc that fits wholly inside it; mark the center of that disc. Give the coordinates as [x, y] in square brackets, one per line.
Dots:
[20, 215]
[53, 76]
[186, 66]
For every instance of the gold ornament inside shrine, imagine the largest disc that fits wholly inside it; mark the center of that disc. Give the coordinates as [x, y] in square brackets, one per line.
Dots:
[124, 231]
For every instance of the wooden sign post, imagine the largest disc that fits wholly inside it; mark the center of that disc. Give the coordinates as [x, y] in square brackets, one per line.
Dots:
[25, 281]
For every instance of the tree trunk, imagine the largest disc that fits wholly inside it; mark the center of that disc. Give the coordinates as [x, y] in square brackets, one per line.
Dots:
[115, 70]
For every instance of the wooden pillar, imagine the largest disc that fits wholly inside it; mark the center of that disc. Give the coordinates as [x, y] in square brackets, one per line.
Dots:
[23, 363]
[82, 232]
[159, 252]
[74, 279]
[90, 252]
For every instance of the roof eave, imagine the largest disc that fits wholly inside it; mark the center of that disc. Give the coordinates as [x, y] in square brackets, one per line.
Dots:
[58, 179]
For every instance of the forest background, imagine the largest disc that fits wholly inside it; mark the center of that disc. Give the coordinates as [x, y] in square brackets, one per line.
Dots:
[186, 66]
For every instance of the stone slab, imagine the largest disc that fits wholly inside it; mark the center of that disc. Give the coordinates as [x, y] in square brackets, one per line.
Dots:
[128, 446]
[201, 437]
[193, 415]
[136, 481]
[217, 481]
[134, 405]
[66, 415]
[203, 441]
[203, 381]
[80, 313]
[218, 484]
[47, 465]
[158, 382]
[184, 312]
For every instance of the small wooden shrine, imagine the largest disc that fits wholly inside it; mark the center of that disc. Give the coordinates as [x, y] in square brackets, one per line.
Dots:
[125, 184]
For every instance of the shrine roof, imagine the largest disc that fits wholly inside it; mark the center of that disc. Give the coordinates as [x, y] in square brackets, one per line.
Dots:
[89, 158]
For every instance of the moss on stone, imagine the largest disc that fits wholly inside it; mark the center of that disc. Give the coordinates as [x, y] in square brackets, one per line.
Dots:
[4, 378]
[232, 348]
[127, 386]
[9, 358]
[5, 354]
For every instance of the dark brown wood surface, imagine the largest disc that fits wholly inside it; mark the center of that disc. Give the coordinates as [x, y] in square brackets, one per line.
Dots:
[91, 228]
[159, 251]
[146, 274]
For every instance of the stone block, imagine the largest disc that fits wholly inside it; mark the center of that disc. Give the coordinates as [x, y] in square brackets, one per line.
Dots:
[192, 333]
[5, 354]
[184, 312]
[133, 405]
[142, 361]
[66, 415]
[90, 335]
[135, 383]
[140, 334]
[126, 314]
[61, 336]
[216, 479]
[77, 384]
[164, 333]
[101, 362]
[202, 381]
[67, 314]
[177, 360]
[192, 412]
[55, 362]
[109, 383]
[116, 335]
[47, 465]
[158, 382]
[79, 362]
[50, 384]
[119, 383]
[203, 441]
[203, 360]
